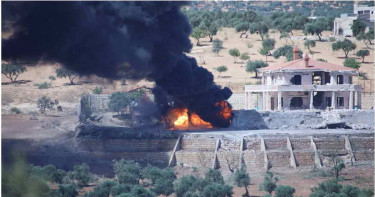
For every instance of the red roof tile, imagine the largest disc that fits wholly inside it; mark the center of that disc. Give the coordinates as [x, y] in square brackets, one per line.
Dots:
[300, 65]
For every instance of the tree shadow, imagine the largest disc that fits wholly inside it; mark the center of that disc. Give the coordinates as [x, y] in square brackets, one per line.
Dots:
[225, 77]
[16, 82]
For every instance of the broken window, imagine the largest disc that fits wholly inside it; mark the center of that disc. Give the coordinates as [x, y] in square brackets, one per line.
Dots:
[350, 79]
[317, 78]
[328, 101]
[327, 77]
[340, 79]
[296, 80]
[340, 101]
[296, 102]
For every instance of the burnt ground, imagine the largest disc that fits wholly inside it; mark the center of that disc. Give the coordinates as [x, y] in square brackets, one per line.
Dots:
[49, 140]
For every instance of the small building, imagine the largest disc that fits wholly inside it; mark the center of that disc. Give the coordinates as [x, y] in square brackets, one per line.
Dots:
[304, 84]
[362, 13]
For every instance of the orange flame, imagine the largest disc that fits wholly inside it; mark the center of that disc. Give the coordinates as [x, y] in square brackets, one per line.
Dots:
[226, 111]
[181, 119]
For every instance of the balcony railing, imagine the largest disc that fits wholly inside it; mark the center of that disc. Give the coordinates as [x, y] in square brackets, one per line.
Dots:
[293, 88]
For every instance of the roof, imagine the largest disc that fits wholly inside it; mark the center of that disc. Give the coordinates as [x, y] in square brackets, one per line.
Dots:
[300, 65]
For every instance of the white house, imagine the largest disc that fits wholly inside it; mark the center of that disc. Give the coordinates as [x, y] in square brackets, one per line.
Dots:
[304, 84]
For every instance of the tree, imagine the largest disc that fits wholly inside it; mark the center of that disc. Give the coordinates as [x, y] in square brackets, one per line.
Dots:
[265, 52]
[217, 45]
[221, 69]
[120, 101]
[212, 30]
[286, 36]
[198, 34]
[286, 51]
[44, 103]
[66, 73]
[244, 56]
[217, 190]
[284, 191]
[12, 71]
[352, 63]
[67, 190]
[235, 53]
[253, 66]
[242, 27]
[242, 179]
[315, 28]
[260, 28]
[309, 43]
[267, 46]
[363, 53]
[214, 176]
[269, 183]
[358, 27]
[127, 167]
[81, 173]
[345, 45]
[338, 167]
[366, 37]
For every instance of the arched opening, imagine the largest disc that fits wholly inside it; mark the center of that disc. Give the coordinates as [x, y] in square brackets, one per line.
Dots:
[296, 102]
[296, 80]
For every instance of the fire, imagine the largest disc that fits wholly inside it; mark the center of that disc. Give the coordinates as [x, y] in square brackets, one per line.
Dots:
[182, 119]
[226, 111]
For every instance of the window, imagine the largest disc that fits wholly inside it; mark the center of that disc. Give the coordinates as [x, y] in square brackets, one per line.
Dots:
[328, 101]
[340, 79]
[360, 12]
[296, 80]
[327, 77]
[340, 101]
[367, 11]
[296, 102]
[350, 79]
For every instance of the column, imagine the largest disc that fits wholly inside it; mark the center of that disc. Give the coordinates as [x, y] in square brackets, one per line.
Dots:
[351, 99]
[279, 100]
[359, 96]
[333, 79]
[311, 100]
[333, 101]
[246, 98]
[263, 101]
[250, 94]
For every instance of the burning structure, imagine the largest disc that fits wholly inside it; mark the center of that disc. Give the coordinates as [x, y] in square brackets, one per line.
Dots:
[133, 40]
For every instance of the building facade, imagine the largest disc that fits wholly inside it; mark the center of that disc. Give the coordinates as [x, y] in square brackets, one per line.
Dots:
[304, 84]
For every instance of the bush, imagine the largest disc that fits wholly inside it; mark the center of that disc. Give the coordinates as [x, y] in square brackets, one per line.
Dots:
[214, 176]
[139, 191]
[15, 110]
[52, 78]
[154, 173]
[43, 85]
[242, 179]
[332, 39]
[66, 190]
[163, 186]
[49, 173]
[269, 183]
[103, 190]
[188, 184]
[127, 166]
[284, 191]
[322, 60]
[97, 90]
[221, 69]
[235, 53]
[352, 63]
[127, 178]
[81, 173]
[119, 189]
[217, 190]
[45, 103]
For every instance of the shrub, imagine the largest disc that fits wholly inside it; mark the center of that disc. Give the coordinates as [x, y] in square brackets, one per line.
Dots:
[85, 109]
[127, 178]
[322, 60]
[49, 173]
[12, 71]
[284, 191]
[45, 103]
[217, 45]
[214, 176]
[154, 173]
[244, 56]
[139, 191]
[235, 53]
[15, 110]
[119, 189]
[81, 173]
[52, 78]
[66, 190]
[217, 190]
[242, 179]
[103, 190]
[221, 69]
[352, 63]
[43, 85]
[309, 43]
[363, 53]
[188, 184]
[163, 186]
[97, 90]
[127, 166]
[332, 39]
[269, 183]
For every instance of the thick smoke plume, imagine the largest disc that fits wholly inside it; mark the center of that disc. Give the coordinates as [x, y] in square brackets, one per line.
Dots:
[135, 40]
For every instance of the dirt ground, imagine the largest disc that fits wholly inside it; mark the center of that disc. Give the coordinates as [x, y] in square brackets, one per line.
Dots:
[25, 94]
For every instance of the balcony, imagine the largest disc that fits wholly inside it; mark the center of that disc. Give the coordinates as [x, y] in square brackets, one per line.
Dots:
[302, 88]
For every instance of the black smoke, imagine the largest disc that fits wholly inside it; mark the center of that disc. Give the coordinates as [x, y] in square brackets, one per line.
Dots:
[135, 40]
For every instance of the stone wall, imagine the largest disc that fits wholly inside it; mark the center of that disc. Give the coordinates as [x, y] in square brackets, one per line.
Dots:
[228, 159]
[195, 158]
[275, 144]
[278, 158]
[304, 158]
[252, 143]
[254, 160]
[198, 144]
[330, 144]
[300, 143]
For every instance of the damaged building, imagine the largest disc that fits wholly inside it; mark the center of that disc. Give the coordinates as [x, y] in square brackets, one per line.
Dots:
[304, 84]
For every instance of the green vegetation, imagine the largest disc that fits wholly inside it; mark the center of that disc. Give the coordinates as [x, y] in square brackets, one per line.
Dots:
[97, 90]
[269, 183]
[322, 60]
[120, 101]
[253, 66]
[44, 103]
[221, 69]
[333, 188]
[366, 37]
[260, 28]
[267, 46]
[345, 45]
[217, 45]
[44, 85]
[284, 191]
[12, 71]
[309, 44]
[15, 110]
[235, 53]
[286, 51]
[198, 34]
[352, 63]
[285, 22]
[363, 53]
[66, 73]
[244, 56]
[242, 179]
[358, 27]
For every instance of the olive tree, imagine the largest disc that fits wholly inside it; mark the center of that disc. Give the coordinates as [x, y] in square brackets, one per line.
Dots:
[217, 45]
[269, 183]
[242, 179]
[198, 33]
[221, 69]
[345, 45]
[66, 73]
[235, 53]
[284, 191]
[253, 66]
[363, 53]
[309, 43]
[244, 56]
[12, 71]
[366, 37]
[352, 63]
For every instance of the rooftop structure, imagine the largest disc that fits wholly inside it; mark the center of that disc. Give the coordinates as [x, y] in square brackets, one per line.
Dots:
[304, 84]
